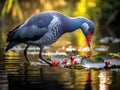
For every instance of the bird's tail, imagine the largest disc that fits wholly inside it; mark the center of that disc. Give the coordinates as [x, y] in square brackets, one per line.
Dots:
[10, 45]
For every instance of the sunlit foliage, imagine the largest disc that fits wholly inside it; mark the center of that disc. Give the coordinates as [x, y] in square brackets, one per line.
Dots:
[13, 7]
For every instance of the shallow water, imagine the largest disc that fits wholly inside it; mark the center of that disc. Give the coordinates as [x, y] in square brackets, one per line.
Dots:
[15, 75]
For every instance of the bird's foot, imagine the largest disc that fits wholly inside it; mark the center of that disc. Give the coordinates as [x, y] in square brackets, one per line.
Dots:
[50, 64]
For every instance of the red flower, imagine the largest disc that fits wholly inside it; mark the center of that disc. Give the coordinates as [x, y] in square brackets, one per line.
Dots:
[55, 62]
[87, 55]
[72, 58]
[64, 61]
[107, 63]
[118, 55]
[74, 62]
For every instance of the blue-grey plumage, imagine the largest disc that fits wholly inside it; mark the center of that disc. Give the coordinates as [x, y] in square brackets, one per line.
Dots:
[45, 28]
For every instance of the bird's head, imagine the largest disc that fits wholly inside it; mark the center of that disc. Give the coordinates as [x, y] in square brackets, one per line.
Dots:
[88, 30]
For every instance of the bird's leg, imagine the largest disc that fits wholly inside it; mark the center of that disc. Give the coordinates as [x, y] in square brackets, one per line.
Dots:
[25, 53]
[40, 56]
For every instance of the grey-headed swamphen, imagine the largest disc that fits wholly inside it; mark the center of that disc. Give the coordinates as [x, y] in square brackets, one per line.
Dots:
[45, 28]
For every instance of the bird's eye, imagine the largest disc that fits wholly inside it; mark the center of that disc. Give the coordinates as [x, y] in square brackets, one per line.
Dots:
[90, 30]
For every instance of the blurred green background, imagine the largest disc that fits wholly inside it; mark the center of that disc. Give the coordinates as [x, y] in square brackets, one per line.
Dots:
[104, 13]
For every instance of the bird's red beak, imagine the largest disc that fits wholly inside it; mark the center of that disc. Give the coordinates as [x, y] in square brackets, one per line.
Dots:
[89, 37]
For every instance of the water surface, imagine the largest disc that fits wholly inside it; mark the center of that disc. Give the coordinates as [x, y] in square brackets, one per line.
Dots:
[16, 75]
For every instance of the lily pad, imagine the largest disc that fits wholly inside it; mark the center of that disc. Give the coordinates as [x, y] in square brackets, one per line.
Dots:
[93, 60]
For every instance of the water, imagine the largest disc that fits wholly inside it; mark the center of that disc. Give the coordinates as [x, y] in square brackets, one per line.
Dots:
[16, 74]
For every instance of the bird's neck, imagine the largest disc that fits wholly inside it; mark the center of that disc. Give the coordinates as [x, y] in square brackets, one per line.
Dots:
[75, 23]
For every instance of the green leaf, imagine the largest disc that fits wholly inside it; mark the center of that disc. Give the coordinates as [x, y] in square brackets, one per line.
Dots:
[9, 5]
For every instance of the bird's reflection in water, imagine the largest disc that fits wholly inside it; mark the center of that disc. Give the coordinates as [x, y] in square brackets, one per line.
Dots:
[3, 80]
[88, 81]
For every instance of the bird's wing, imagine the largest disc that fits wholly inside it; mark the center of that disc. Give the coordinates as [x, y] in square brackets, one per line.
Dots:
[32, 29]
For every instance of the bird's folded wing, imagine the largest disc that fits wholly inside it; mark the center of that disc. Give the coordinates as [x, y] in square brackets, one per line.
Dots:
[27, 33]
[32, 29]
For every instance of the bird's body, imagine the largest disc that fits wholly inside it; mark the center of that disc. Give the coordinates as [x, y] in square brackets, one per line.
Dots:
[45, 28]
